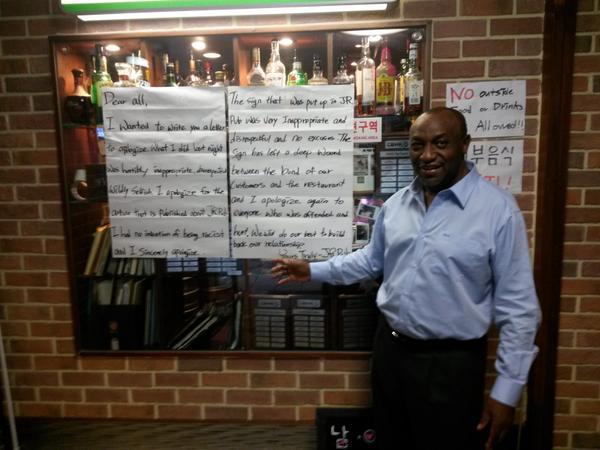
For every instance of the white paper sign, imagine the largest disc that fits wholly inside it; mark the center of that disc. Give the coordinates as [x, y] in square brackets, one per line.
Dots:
[166, 163]
[500, 162]
[291, 171]
[492, 108]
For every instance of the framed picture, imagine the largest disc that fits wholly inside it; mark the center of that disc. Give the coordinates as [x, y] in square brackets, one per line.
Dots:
[368, 209]
[362, 232]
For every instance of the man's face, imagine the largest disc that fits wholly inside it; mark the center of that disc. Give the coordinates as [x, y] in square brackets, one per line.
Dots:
[437, 150]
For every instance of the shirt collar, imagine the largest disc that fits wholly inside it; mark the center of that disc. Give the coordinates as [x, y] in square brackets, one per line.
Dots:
[461, 191]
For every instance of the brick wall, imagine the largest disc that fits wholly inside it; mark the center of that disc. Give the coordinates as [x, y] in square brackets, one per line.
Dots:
[577, 420]
[472, 40]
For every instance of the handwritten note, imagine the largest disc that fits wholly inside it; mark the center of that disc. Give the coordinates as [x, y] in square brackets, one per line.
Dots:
[166, 163]
[291, 171]
[500, 162]
[492, 108]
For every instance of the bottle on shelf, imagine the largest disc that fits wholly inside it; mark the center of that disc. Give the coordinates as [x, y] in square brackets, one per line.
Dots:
[165, 61]
[413, 98]
[78, 105]
[193, 79]
[384, 85]
[219, 78]
[170, 80]
[228, 75]
[275, 71]
[208, 74]
[317, 72]
[178, 77]
[256, 76]
[400, 87]
[101, 78]
[342, 76]
[296, 77]
[365, 82]
[113, 333]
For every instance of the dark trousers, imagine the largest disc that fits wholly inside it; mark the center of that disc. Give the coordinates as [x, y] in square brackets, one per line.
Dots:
[427, 395]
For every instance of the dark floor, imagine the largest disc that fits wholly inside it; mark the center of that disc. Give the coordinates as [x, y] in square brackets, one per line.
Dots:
[104, 435]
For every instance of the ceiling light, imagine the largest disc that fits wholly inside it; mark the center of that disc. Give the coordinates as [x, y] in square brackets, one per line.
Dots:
[211, 55]
[95, 10]
[286, 41]
[374, 32]
[375, 38]
[199, 45]
[112, 48]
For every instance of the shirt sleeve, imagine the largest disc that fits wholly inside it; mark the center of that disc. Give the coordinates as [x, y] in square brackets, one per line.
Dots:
[362, 264]
[516, 310]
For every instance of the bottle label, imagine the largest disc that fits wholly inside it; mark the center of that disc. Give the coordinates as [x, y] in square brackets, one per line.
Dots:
[275, 79]
[414, 90]
[385, 89]
[368, 85]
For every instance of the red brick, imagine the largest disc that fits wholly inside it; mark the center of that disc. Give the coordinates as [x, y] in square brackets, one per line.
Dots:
[321, 381]
[226, 413]
[590, 304]
[225, 379]
[65, 346]
[153, 395]
[132, 411]
[179, 412]
[307, 19]
[592, 196]
[458, 69]
[38, 65]
[485, 7]
[199, 365]
[8, 262]
[588, 339]
[580, 322]
[102, 27]
[24, 8]
[566, 339]
[530, 6]
[177, 379]
[12, 103]
[127, 379]
[23, 394]
[94, 395]
[48, 295]
[12, 295]
[429, 8]
[32, 46]
[152, 363]
[570, 269]
[516, 26]
[514, 67]
[83, 379]
[489, 47]
[249, 397]
[42, 83]
[587, 407]
[348, 365]
[576, 390]
[55, 363]
[273, 414]
[593, 234]
[41, 193]
[17, 176]
[155, 24]
[581, 287]
[459, 28]
[61, 395]
[43, 102]
[297, 397]
[200, 395]
[16, 140]
[564, 373]
[587, 373]
[52, 26]
[54, 246]
[62, 312]
[86, 411]
[45, 139]
[52, 329]
[22, 211]
[586, 64]
[36, 379]
[446, 49]
[48, 262]
[595, 125]
[18, 362]
[39, 410]
[301, 365]
[584, 178]
[593, 161]
[31, 346]
[272, 380]
[578, 122]
[574, 423]
[12, 27]
[529, 47]
[26, 278]
[34, 121]
[588, 22]
[585, 102]
[248, 364]
[307, 414]
[347, 398]
[583, 44]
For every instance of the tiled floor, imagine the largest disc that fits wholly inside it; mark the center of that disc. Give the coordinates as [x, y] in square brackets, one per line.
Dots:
[108, 435]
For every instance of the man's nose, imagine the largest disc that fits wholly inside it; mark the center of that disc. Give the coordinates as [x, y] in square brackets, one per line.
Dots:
[428, 153]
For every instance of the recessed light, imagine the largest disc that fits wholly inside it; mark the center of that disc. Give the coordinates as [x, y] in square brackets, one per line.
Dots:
[112, 48]
[199, 45]
[211, 55]
[286, 41]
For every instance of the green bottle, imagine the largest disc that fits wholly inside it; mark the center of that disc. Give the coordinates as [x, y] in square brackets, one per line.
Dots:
[100, 79]
[296, 77]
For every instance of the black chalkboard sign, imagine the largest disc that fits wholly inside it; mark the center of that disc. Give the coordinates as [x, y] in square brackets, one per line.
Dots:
[345, 428]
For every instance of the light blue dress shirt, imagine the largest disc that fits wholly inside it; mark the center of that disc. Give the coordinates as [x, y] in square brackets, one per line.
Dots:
[450, 270]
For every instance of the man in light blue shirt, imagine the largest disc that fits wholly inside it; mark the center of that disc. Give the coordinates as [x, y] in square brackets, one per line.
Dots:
[452, 250]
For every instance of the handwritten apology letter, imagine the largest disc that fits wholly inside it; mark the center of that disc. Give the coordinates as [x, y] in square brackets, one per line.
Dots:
[166, 163]
[290, 153]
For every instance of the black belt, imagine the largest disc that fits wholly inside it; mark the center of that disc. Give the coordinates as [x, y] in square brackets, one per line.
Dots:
[434, 344]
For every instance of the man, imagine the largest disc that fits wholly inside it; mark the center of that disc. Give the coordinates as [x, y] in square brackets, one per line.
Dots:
[452, 249]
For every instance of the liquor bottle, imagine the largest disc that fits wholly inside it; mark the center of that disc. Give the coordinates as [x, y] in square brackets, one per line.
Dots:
[275, 71]
[365, 82]
[219, 78]
[296, 77]
[100, 79]
[165, 61]
[256, 76]
[317, 77]
[413, 97]
[170, 80]
[207, 74]
[178, 76]
[400, 87]
[386, 73]
[342, 76]
[228, 75]
[78, 105]
[192, 79]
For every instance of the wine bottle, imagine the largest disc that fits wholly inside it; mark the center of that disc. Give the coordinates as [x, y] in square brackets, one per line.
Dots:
[365, 82]
[100, 78]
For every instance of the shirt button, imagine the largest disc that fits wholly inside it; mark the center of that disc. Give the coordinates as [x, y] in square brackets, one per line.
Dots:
[395, 334]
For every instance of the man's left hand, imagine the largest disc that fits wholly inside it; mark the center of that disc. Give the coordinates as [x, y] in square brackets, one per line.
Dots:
[498, 417]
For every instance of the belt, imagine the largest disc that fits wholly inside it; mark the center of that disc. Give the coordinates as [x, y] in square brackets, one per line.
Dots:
[434, 344]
